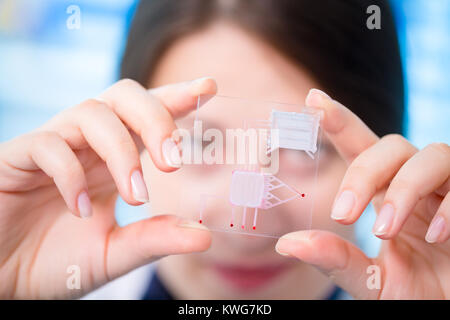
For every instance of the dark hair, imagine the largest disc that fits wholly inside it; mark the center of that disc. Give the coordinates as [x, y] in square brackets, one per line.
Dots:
[359, 67]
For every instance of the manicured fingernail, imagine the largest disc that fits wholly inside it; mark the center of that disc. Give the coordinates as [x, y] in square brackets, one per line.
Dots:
[277, 249]
[384, 220]
[171, 153]
[200, 80]
[286, 240]
[202, 86]
[84, 205]
[435, 229]
[315, 97]
[344, 205]
[291, 236]
[320, 92]
[191, 224]
[138, 187]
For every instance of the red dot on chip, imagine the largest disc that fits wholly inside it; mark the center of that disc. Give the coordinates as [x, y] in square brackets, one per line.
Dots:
[303, 195]
[231, 225]
[200, 221]
[254, 228]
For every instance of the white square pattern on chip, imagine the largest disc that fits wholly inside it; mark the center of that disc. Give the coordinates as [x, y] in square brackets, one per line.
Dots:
[247, 189]
[297, 131]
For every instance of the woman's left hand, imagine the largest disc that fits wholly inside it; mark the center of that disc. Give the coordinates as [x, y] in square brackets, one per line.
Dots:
[409, 189]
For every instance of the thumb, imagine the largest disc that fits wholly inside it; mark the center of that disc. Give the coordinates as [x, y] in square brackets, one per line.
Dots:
[339, 259]
[142, 242]
[181, 98]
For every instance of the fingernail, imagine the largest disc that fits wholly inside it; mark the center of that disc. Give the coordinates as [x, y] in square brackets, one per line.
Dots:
[384, 220]
[138, 187]
[171, 153]
[200, 80]
[323, 94]
[280, 252]
[84, 205]
[191, 224]
[344, 205]
[315, 97]
[435, 229]
[292, 236]
[201, 86]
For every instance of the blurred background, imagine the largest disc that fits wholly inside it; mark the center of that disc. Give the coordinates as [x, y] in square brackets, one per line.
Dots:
[45, 66]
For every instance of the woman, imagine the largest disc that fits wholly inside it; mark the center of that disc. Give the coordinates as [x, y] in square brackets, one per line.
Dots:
[83, 158]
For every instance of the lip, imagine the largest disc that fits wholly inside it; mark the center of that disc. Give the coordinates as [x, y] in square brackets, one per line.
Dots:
[245, 278]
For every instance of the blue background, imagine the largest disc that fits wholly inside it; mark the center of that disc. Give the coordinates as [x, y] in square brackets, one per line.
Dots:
[45, 67]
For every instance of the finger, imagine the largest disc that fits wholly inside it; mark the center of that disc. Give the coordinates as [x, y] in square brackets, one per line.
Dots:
[180, 98]
[97, 126]
[421, 175]
[342, 261]
[48, 152]
[346, 131]
[367, 174]
[144, 241]
[151, 113]
[439, 229]
[442, 190]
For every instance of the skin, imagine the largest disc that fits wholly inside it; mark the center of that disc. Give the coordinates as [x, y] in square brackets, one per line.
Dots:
[43, 173]
[268, 77]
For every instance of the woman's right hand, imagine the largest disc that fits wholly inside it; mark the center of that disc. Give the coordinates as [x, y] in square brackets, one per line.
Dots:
[78, 163]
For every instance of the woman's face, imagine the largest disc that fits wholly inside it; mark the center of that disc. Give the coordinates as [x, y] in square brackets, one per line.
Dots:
[239, 266]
